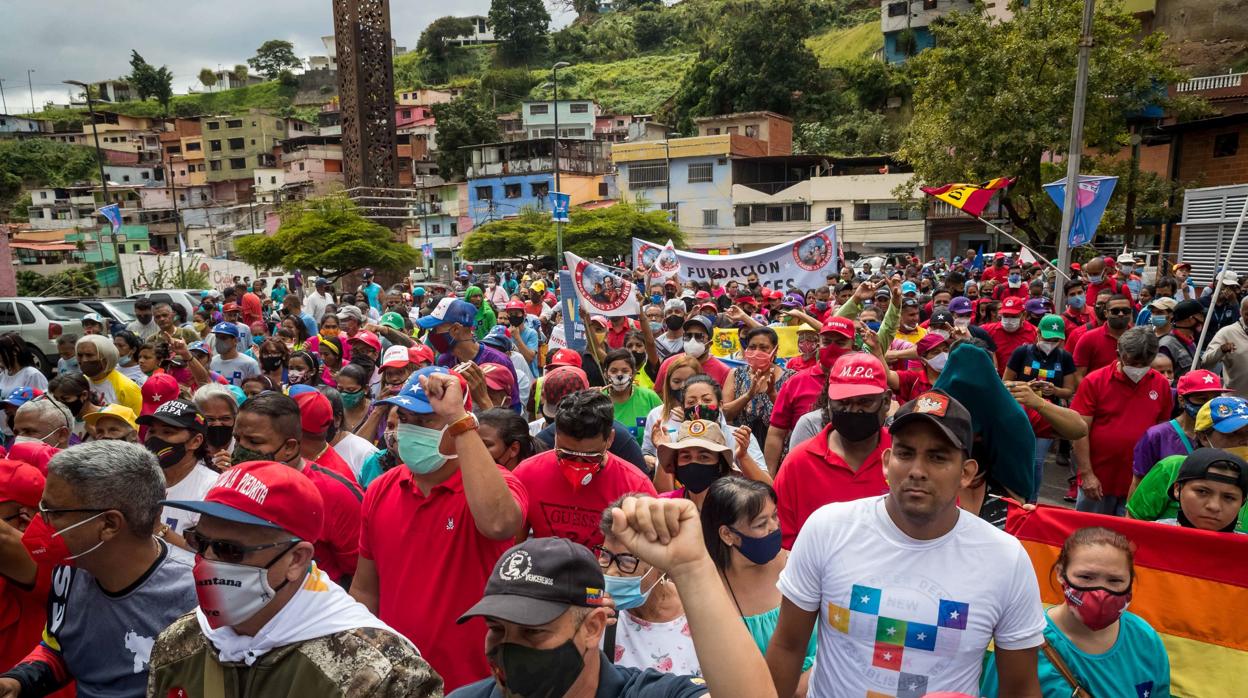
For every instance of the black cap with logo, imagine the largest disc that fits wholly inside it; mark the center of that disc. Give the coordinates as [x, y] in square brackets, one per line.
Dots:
[946, 413]
[1196, 467]
[177, 413]
[534, 582]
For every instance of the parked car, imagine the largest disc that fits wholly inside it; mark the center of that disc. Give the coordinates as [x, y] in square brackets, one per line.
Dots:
[188, 298]
[113, 313]
[40, 321]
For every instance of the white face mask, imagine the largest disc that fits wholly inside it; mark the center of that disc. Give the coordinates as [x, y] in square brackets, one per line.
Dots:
[1046, 347]
[296, 376]
[694, 348]
[1135, 373]
[230, 593]
[1011, 324]
[962, 322]
[937, 363]
[620, 381]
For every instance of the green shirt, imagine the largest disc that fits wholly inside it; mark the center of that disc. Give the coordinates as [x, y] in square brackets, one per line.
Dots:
[1151, 500]
[632, 412]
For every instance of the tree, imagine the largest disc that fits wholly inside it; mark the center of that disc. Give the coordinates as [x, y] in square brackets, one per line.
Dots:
[41, 162]
[240, 74]
[606, 232]
[207, 78]
[760, 62]
[521, 27]
[434, 39]
[150, 81]
[273, 57]
[79, 282]
[162, 87]
[327, 235]
[993, 99]
[463, 121]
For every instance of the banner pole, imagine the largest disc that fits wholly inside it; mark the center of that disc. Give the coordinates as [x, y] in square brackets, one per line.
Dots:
[1217, 288]
[1075, 151]
[1024, 245]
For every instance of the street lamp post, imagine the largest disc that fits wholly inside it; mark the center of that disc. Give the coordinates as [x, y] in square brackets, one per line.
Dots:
[99, 158]
[554, 71]
[31, 86]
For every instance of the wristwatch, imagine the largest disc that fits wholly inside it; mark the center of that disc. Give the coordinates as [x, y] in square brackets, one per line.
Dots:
[463, 425]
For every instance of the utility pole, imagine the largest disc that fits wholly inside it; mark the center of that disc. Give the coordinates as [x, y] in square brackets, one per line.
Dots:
[1075, 153]
[554, 70]
[99, 158]
[31, 86]
[177, 222]
[3, 101]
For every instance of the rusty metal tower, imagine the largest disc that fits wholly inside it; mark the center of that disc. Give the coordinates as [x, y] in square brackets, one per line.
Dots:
[366, 93]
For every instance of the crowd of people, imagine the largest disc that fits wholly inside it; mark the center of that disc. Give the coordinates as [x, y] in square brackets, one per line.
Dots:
[743, 490]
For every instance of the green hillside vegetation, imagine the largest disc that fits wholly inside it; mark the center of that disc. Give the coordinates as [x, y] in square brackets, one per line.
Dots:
[633, 86]
[840, 46]
[267, 95]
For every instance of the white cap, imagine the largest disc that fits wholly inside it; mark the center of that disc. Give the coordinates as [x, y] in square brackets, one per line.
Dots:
[1229, 277]
[395, 357]
[1126, 258]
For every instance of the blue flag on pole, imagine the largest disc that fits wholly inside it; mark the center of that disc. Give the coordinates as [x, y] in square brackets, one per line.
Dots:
[1090, 203]
[113, 213]
[979, 259]
[559, 203]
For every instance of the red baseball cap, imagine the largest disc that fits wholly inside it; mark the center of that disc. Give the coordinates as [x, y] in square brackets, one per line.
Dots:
[20, 482]
[1012, 306]
[742, 300]
[514, 304]
[564, 357]
[396, 357]
[839, 325]
[930, 341]
[498, 377]
[36, 454]
[368, 338]
[856, 374]
[418, 353]
[263, 493]
[231, 307]
[1201, 381]
[316, 414]
[157, 390]
[702, 295]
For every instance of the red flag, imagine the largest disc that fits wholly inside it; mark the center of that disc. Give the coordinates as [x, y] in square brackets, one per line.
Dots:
[971, 198]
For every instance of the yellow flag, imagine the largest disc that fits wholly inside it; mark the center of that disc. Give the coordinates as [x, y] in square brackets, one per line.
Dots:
[788, 340]
[725, 342]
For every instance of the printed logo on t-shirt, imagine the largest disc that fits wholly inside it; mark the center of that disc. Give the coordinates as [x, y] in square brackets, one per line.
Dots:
[903, 654]
[1144, 690]
[571, 522]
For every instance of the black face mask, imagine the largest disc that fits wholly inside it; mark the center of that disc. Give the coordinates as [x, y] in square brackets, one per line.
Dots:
[855, 426]
[219, 435]
[74, 406]
[639, 358]
[532, 673]
[516, 319]
[365, 363]
[1100, 312]
[1119, 322]
[673, 322]
[270, 363]
[696, 477]
[242, 454]
[91, 368]
[168, 454]
[710, 414]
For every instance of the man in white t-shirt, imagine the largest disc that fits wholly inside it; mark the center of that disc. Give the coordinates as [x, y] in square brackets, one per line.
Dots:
[232, 365]
[175, 435]
[907, 588]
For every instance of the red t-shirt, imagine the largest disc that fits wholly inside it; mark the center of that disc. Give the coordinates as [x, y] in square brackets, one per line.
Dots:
[1114, 285]
[615, 338]
[330, 459]
[797, 397]
[1073, 336]
[555, 509]
[799, 363]
[1097, 348]
[432, 565]
[337, 550]
[1007, 342]
[1004, 291]
[253, 309]
[711, 366]
[23, 613]
[912, 384]
[1121, 412]
[1073, 320]
[995, 273]
[812, 475]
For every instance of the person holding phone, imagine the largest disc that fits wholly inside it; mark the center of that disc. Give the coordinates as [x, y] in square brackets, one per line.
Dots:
[1050, 371]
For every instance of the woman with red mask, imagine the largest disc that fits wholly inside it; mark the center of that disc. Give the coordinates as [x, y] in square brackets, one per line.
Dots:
[1091, 640]
[750, 391]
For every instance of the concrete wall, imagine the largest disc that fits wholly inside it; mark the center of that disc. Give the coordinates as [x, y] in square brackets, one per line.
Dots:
[1202, 20]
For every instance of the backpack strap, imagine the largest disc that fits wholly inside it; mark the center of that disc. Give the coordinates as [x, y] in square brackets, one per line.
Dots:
[1060, 664]
[1182, 437]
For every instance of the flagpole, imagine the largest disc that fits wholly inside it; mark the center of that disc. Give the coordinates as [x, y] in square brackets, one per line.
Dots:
[1075, 151]
[1024, 246]
[1217, 288]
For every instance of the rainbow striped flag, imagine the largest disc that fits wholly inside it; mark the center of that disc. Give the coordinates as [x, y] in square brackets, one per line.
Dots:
[1190, 585]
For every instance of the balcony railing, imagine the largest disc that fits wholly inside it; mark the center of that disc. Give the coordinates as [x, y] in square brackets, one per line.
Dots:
[1212, 82]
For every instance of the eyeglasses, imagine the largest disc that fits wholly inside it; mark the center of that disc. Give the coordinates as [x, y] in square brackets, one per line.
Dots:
[1118, 311]
[44, 511]
[578, 456]
[625, 563]
[229, 551]
[696, 336]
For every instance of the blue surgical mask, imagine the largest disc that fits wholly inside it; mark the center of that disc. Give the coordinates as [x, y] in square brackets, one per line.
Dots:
[626, 591]
[657, 327]
[874, 326]
[1191, 409]
[1015, 279]
[1095, 278]
[821, 305]
[418, 448]
[1158, 320]
[1077, 302]
[656, 298]
[759, 551]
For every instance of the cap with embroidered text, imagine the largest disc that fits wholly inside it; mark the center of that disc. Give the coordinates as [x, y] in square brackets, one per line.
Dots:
[263, 493]
[535, 582]
[176, 413]
[838, 325]
[1012, 306]
[943, 412]
[856, 374]
[395, 357]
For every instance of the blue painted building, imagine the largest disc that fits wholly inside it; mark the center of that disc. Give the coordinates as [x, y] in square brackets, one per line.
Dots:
[506, 178]
[906, 24]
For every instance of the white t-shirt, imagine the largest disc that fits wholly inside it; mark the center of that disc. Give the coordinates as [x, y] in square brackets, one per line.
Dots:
[355, 450]
[28, 377]
[193, 487]
[904, 617]
[665, 647]
[134, 373]
[237, 369]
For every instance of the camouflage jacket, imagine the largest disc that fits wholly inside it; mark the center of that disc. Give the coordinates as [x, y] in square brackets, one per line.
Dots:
[361, 662]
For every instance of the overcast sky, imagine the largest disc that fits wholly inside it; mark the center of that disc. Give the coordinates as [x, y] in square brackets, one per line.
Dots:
[91, 40]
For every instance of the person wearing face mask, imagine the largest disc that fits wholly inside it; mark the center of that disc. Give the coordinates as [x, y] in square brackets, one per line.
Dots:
[97, 356]
[651, 630]
[1126, 274]
[632, 402]
[268, 617]
[1076, 314]
[672, 340]
[1049, 370]
[524, 337]
[697, 337]
[1100, 274]
[176, 436]
[269, 427]
[234, 366]
[741, 527]
[1011, 332]
[751, 390]
[579, 475]
[1090, 636]
[303, 368]
[909, 329]
[42, 419]
[445, 483]
[143, 324]
[118, 583]
[272, 358]
[1098, 347]
[807, 348]
[219, 408]
[1013, 286]
[963, 311]
[544, 639]
[933, 352]
[1119, 403]
[842, 462]
[450, 327]
[699, 454]
[1220, 426]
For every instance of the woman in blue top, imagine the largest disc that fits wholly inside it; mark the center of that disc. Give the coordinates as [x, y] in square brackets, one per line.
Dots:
[741, 527]
[1110, 652]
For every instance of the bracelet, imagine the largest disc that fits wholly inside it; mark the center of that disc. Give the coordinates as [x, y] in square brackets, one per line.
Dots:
[463, 425]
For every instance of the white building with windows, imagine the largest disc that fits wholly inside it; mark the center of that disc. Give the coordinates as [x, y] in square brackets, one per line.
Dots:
[577, 118]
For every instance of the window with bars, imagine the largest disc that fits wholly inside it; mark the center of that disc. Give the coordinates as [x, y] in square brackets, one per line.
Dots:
[832, 214]
[701, 172]
[511, 191]
[862, 212]
[540, 189]
[579, 108]
[485, 193]
[710, 218]
[648, 176]
[539, 108]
